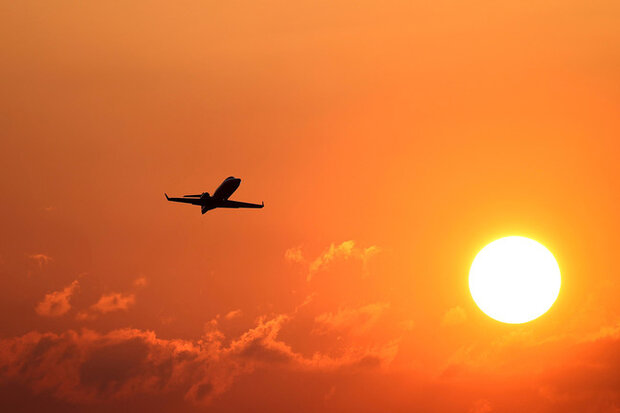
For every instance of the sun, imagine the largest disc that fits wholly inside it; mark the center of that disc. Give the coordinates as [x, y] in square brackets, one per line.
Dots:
[514, 280]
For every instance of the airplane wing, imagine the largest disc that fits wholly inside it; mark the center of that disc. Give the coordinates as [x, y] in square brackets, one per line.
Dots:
[185, 200]
[236, 204]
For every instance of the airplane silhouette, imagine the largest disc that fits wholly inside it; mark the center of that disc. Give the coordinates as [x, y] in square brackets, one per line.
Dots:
[219, 199]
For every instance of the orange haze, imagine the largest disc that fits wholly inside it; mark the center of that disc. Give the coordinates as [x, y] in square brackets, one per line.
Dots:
[390, 142]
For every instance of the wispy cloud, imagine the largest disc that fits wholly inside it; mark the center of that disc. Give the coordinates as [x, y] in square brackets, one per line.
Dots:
[41, 259]
[345, 250]
[140, 282]
[233, 314]
[481, 406]
[454, 316]
[354, 320]
[113, 302]
[294, 254]
[107, 303]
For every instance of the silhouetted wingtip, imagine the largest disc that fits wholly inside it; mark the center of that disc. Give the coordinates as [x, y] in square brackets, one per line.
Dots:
[262, 204]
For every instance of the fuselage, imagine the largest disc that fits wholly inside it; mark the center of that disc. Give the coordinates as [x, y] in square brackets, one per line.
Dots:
[226, 188]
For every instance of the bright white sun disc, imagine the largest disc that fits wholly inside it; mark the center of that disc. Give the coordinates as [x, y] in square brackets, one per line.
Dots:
[514, 280]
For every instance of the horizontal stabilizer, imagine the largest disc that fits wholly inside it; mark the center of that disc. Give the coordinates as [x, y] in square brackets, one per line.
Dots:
[193, 201]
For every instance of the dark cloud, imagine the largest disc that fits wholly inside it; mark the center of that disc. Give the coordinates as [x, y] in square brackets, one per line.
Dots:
[107, 367]
[89, 367]
[559, 375]
[589, 381]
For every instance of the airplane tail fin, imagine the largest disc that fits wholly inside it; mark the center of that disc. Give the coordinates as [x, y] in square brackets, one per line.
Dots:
[166, 196]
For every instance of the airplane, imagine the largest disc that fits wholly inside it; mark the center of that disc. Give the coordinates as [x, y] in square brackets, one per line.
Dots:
[219, 199]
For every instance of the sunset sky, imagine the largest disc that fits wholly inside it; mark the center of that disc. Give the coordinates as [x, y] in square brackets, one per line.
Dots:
[390, 142]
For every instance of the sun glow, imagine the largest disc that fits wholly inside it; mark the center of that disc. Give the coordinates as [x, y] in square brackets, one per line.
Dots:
[514, 280]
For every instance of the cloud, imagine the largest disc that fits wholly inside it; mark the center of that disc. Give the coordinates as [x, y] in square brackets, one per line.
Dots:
[107, 303]
[261, 345]
[88, 367]
[140, 282]
[294, 255]
[454, 316]
[481, 406]
[345, 250]
[113, 302]
[130, 364]
[233, 314]
[612, 331]
[167, 319]
[57, 303]
[85, 316]
[551, 375]
[41, 259]
[589, 380]
[354, 320]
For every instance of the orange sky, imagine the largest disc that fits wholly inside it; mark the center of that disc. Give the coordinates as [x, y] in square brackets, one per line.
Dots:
[390, 142]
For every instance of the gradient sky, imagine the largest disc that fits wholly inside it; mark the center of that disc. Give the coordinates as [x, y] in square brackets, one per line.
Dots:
[390, 142]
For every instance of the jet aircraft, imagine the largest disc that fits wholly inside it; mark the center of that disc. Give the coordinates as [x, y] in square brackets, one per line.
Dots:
[219, 199]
